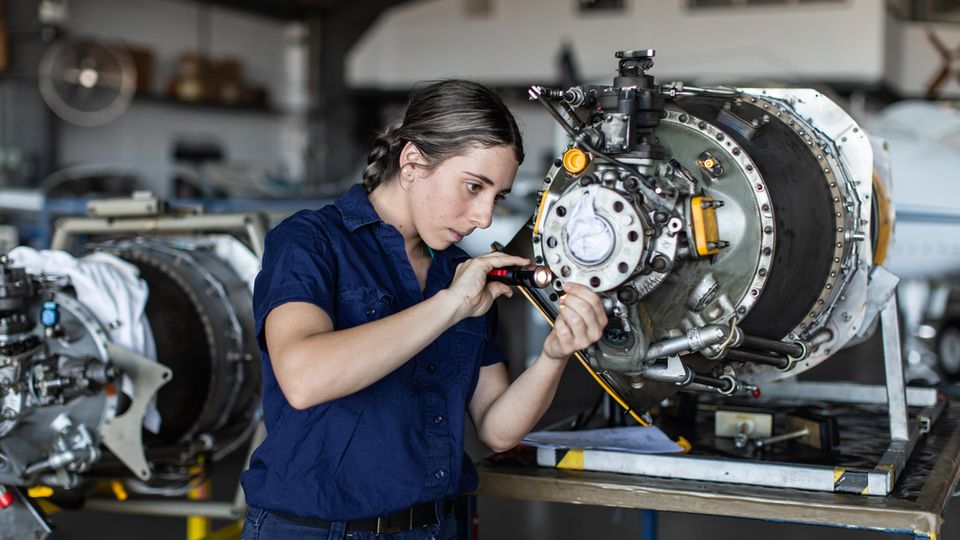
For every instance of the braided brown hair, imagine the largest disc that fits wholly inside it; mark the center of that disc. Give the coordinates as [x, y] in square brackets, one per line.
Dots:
[443, 119]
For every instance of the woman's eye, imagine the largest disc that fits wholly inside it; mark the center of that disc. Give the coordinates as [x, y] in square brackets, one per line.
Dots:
[499, 198]
[473, 188]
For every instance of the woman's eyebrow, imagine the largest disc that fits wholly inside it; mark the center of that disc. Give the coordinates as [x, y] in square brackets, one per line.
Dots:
[485, 180]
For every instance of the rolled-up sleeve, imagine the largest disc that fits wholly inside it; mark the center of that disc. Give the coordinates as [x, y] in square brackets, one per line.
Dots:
[299, 265]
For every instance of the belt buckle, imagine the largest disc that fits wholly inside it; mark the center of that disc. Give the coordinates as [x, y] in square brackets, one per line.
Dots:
[385, 524]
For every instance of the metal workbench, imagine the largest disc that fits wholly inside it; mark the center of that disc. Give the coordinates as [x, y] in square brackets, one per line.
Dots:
[914, 507]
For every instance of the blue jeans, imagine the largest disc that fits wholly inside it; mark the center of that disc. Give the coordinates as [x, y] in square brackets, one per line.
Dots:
[264, 525]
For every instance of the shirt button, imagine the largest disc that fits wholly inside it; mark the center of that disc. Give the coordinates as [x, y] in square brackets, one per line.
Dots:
[431, 368]
[439, 474]
[371, 312]
[437, 419]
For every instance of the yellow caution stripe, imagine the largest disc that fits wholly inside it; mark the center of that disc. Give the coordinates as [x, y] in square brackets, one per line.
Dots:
[572, 460]
[837, 473]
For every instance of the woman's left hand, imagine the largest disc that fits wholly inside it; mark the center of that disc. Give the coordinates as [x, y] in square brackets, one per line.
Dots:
[580, 323]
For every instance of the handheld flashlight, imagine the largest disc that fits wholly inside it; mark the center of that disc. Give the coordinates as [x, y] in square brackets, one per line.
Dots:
[531, 276]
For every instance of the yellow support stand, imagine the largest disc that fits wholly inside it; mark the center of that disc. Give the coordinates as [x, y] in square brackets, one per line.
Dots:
[198, 527]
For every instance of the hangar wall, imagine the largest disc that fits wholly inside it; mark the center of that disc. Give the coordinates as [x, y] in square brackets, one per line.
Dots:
[694, 44]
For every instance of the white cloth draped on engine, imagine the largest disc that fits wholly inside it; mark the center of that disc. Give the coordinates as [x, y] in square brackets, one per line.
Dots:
[113, 290]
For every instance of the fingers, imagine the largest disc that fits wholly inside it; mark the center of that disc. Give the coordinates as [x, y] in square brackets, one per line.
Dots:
[582, 332]
[581, 320]
[480, 266]
[499, 259]
[588, 297]
[580, 323]
[499, 289]
[471, 288]
[582, 317]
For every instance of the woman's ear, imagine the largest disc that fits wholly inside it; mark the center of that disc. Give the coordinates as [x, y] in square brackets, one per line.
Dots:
[411, 158]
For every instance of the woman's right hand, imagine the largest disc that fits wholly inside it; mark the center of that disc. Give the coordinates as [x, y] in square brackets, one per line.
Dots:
[470, 289]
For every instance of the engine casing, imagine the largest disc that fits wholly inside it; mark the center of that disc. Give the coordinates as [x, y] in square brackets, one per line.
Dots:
[729, 231]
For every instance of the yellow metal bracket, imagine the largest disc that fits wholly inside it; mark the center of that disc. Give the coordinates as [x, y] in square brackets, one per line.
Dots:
[706, 234]
[539, 216]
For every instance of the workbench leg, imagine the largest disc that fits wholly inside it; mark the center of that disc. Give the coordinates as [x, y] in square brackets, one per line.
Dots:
[648, 527]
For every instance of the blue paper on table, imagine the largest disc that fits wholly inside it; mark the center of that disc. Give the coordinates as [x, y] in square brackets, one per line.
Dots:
[635, 439]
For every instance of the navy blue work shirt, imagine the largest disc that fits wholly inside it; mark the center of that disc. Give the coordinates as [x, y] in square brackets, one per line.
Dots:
[397, 442]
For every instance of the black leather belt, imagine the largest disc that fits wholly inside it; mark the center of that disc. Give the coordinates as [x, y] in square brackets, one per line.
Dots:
[412, 518]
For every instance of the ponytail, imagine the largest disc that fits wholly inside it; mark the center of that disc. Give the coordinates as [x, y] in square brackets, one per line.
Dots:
[382, 161]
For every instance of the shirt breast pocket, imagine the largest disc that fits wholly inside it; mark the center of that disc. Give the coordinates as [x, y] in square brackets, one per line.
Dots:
[360, 305]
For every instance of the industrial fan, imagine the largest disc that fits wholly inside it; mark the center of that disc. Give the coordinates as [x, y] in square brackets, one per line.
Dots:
[85, 82]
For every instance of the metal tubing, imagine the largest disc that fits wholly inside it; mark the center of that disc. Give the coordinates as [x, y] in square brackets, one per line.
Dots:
[783, 437]
[694, 340]
[216, 510]
[845, 393]
[761, 344]
[780, 362]
[719, 384]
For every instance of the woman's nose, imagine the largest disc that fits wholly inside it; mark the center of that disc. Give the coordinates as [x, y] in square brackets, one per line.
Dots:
[483, 215]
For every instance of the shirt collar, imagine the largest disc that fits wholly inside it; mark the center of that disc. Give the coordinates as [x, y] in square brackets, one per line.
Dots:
[355, 208]
[356, 211]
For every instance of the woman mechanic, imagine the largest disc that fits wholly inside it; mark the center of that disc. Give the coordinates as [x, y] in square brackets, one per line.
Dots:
[376, 336]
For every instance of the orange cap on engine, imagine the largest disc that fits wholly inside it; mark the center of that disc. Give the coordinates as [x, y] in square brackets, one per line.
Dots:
[575, 161]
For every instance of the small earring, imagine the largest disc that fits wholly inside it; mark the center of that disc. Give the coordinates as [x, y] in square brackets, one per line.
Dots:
[407, 171]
